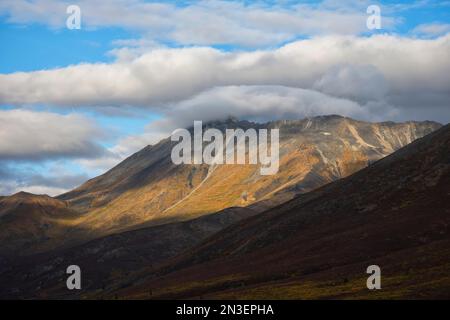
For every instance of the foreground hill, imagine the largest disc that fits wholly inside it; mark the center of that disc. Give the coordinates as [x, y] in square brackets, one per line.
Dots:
[27, 221]
[108, 259]
[394, 214]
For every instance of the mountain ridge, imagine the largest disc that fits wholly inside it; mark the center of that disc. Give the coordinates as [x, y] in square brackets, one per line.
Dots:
[155, 165]
[148, 189]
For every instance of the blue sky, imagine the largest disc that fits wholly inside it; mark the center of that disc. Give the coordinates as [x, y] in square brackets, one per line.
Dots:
[37, 47]
[132, 63]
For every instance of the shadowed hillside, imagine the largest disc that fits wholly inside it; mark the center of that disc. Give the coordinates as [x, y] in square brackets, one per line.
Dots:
[108, 259]
[395, 214]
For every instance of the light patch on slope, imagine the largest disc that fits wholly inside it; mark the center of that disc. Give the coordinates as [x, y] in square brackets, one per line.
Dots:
[324, 159]
[358, 138]
[308, 124]
[388, 147]
[211, 169]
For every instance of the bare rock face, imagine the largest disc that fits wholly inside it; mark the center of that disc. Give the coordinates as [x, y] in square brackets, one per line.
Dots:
[148, 189]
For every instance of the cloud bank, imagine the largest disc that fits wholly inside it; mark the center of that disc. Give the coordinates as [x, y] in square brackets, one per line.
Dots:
[251, 24]
[30, 135]
[15, 179]
[405, 73]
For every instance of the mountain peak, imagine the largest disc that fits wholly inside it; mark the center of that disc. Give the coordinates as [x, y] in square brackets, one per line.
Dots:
[26, 198]
[23, 194]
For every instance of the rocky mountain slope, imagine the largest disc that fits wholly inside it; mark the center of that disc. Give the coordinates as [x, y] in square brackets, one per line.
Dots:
[148, 189]
[394, 214]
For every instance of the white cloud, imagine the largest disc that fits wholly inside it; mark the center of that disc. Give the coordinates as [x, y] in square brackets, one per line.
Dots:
[203, 22]
[259, 103]
[31, 135]
[397, 70]
[432, 29]
[52, 180]
[359, 82]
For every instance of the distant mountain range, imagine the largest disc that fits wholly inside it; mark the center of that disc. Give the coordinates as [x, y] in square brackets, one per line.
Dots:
[150, 229]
